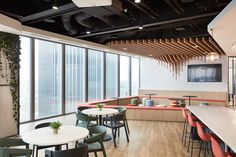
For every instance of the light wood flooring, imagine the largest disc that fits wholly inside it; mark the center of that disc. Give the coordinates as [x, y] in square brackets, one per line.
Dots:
[147, 139]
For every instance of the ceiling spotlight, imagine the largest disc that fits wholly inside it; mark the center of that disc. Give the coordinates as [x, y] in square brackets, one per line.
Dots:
[55, 5]
[137, 1]
[88, 32]
[140, 27]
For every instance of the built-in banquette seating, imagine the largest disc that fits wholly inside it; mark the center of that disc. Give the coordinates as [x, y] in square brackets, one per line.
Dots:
[158, 112]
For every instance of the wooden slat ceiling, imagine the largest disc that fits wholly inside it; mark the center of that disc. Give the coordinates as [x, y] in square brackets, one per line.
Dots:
[169, 50]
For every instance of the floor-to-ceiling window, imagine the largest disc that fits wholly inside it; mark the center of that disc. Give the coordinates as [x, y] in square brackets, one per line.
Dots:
[75, 77]
[25, 79]
[44, 73]
[111, 75]
[95, 75]
[124, 76]
[134, 76]
[48, 78]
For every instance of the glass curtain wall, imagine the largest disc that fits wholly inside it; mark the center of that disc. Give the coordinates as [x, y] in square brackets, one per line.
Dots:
[95, 75]
[75, 77]
[25, 79]
[111, 75]
[48, 79]
[124, 76]
[134, 76]
[80, 63]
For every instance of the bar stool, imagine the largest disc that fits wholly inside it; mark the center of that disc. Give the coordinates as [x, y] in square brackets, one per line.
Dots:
[185, 128]
[192, 134]
[217, 151]
[205, 138]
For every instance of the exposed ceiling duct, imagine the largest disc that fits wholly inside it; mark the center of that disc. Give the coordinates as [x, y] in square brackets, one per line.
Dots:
[71, 29]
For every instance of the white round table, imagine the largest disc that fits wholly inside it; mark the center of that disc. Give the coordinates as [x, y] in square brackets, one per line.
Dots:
[45, 136]
[97, 112]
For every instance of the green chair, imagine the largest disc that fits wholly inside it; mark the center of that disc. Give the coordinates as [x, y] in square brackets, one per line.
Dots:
[12, 142]
[13, 152]
[91, 118]
[116, 122]
[95, 144]
[83, 120]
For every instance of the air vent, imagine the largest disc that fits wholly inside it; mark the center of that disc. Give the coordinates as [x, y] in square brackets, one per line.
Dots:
[187, 1]
[92, 3]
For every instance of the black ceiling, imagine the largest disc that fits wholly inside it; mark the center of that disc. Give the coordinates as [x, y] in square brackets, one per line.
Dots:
[160, 18]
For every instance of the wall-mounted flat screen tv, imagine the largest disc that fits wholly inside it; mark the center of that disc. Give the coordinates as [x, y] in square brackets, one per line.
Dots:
[205, 73]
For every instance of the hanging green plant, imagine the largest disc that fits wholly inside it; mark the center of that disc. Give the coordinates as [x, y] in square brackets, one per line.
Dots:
[10, 65]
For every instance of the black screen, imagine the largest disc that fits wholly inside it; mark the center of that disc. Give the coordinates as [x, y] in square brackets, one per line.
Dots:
[205, 73]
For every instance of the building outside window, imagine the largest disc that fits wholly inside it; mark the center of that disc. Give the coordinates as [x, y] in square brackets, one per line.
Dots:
[48, 79]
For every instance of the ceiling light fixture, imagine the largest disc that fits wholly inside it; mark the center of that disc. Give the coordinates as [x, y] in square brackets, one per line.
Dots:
[140, 27]
[212, 56]
[55, 5]
[137, 1]
[88, 32]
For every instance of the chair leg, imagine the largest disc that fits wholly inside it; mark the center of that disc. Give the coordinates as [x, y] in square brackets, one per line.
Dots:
[95, 153]
[118, 132]
[114, 138]
[126, 122]
[126, 132]
[183, 131]
[189, 138]
[67, 147]
[36, 154]
[33, 151]
[192, 146]
[103, 150]
[199, 153]
[186, 133]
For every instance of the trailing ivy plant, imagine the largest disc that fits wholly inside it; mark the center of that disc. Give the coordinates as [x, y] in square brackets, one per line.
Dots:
[10, 65]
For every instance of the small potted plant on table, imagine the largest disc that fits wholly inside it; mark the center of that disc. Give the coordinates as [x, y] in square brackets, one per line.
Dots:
[55, 126]
[100, 106]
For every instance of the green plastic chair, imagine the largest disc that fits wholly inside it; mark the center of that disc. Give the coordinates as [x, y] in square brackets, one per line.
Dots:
[12, 142]
[95, 141]
[91, 118]
[13, 152]
[83, 120]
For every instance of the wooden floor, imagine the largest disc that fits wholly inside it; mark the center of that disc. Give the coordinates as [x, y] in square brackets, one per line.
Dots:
[147, 139]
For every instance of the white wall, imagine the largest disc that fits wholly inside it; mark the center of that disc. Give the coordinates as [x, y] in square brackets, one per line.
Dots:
[158, 77]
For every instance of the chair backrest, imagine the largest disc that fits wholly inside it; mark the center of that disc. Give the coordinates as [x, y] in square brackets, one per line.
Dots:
[201, 133]
[216, 149]
[82, 117]
[42, 125]
[184, 114]
[119, 117]
[97, 134]
[190, 120]
[13, 152]
[81, 108]
[76, 152]
[11, 142]
[121, 109]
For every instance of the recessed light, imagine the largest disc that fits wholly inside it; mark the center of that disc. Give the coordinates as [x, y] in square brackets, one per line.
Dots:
[150, 55]
[140, 27]
[137, 1]
[88, 32]
[55, 7]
